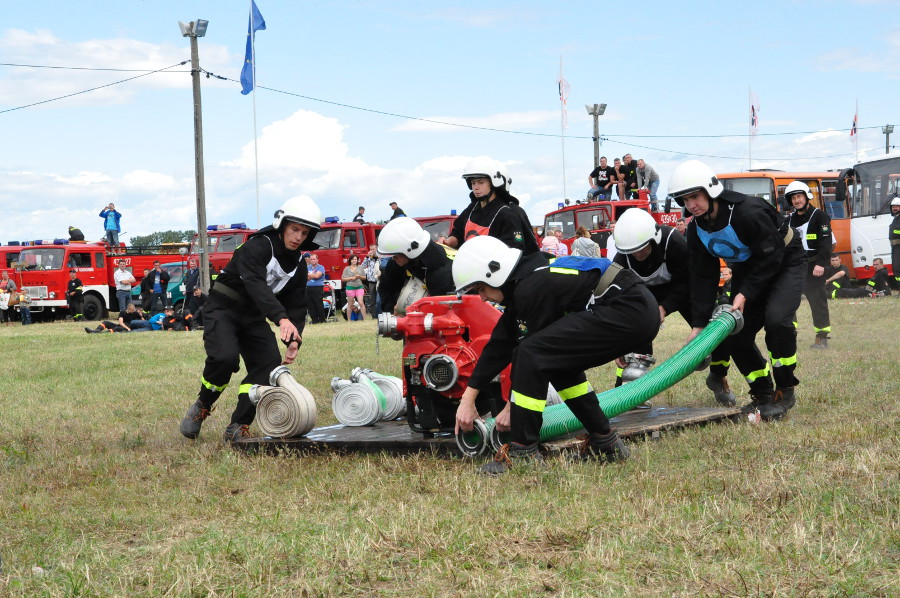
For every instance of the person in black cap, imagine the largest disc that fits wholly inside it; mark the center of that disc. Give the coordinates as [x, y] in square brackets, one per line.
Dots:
[73, 295]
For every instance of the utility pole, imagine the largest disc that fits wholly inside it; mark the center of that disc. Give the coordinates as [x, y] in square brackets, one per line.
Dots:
[596, 110]
[193, 30]
[887, 130]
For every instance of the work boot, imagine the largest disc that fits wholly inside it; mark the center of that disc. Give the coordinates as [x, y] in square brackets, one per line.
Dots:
[503, 459]
[781, 402]
[96, 330]
[758, 403]
[604, 447]
[721, 390]
[821, 343]
[193, 419]
[236, 433]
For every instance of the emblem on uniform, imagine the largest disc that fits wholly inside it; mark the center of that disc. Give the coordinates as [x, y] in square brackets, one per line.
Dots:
[523, 329]
[518, 237]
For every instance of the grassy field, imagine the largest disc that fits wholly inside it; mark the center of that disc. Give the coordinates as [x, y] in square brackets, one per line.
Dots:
[101, 492]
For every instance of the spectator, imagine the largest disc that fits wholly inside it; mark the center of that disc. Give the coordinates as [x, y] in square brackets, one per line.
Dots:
[5, 307]
[124, 280]
[191, 278]
[648, 179]
[263, 283]
[73, 295]
[415, 258]
[561, 248]
[75, 234]
[315, 286]
[146, 290]
[156, 321]
[681, 226]
[629, 176]
[25, 308]
[602, 179]
[359, 216]
[371, 266]
[398, 213]
[6, 283]
[130, 320]
[354, 280]
[550, 243]
[611, 250]
[111, 225]
[879, 284]
[159, 286]
[492, 210]
[583, 245]
[194, 309]
[171, 321]
[837, 281]
[620, 179]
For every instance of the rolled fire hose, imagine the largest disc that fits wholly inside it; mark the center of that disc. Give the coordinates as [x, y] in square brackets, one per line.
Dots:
[286, 409]
[558, 420]
[391, 386]
[357, 403]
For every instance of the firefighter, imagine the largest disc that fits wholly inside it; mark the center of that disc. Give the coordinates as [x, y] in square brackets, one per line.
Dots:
[768, 268]
[814, 227]
[559, 320]
[894, 239]
[74, 295]
[265, 279]
[492, 210]
[415, 259]
[659, 255]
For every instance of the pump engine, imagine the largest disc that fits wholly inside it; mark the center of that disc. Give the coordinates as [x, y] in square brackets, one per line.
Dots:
[442, 338]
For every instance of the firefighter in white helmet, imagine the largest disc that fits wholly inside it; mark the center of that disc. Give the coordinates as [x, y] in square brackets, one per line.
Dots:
[264, 280]
[814, 226]
[413, 254]
[492, 210]
[768, 267]
[559, 320]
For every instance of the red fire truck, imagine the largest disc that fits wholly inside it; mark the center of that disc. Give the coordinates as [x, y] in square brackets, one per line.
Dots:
[596, 216]
[43, 273]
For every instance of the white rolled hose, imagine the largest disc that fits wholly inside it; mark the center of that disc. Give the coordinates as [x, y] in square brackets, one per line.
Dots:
[390, 386]
[285, 410]
[358, 404]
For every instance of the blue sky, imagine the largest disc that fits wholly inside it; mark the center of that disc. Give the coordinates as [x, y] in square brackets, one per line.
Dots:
[666, 70]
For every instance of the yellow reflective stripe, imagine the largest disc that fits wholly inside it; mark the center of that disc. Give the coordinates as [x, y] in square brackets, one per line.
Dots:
[834, 293]
[529, 403]
[574, 391]
[783, 361]
[826, 329]
[796, 325]
[871, 283]
[725, 362]
[758, 374]
[212, 386]
[619, 372]
[563, 270]
[244, 388]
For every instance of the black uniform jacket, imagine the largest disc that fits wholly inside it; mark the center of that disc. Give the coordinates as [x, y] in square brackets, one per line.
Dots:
[671, 251]
[818, 234]
[759, 226]
[256, 262]
[534, 298]
[433, 267]
[507, 221]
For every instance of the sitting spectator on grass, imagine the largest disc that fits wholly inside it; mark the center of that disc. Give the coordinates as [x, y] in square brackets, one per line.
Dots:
[193, 311]
[130, 320]
[879, 285]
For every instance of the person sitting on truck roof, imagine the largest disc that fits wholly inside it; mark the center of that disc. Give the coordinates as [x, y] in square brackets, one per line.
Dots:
[360, 215]
[414, 257]
[75, 234]
[398, 212]
[492, 210]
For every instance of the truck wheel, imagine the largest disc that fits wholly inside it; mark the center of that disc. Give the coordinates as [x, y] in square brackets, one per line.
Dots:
[179, 307]
[92, 308]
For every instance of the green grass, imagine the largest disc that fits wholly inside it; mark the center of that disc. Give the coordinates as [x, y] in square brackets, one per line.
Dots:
[100, 490]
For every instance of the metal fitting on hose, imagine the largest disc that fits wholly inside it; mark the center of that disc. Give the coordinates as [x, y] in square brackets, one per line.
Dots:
[476, 442]
[736, 315]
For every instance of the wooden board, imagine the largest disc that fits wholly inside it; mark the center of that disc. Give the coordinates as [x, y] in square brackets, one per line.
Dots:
[396, 437]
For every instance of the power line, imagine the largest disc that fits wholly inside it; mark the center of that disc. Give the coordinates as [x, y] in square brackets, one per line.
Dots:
[84, 68]
[93, 88]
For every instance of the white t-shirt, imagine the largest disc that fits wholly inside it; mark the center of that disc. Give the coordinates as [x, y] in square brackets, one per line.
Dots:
[120, 276]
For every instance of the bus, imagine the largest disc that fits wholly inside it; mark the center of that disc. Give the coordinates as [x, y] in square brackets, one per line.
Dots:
[868, 189]
[827, 193]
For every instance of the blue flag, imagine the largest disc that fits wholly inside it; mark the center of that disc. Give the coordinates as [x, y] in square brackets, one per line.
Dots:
[248, 76]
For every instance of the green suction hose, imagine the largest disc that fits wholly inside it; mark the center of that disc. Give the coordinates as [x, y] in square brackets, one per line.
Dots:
[558, 420]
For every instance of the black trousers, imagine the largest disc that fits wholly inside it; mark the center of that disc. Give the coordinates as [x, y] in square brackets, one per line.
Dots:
[232, 333]
[814, 289]
[75, 302]
[314, 296]
[560, 353]
[773, 310]
[850, 293]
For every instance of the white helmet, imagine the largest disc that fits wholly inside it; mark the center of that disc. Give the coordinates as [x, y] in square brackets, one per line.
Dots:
[403, 235]
[797, 187]
[635, 228]
[485, 168]
[484, 259]
[689, 177]
[895, 201]
[301, 210]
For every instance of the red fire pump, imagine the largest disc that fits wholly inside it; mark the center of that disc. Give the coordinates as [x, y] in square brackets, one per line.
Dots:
[442, 339]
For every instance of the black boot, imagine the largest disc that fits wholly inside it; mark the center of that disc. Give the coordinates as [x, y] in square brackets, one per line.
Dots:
[759, 402]
[503, 459]
[604, 447]
[781, 403]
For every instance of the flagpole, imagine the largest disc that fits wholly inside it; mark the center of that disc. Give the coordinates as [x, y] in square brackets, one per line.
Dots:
[750, 136]
[562, 128]
[255, 144]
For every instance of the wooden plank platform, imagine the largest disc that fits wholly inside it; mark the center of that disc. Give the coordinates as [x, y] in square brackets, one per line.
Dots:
[396, 437]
